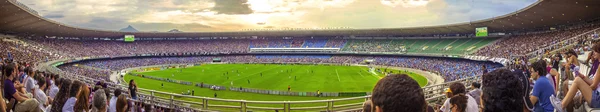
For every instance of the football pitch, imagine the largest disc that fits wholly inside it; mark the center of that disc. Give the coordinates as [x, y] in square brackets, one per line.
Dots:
[301, 78]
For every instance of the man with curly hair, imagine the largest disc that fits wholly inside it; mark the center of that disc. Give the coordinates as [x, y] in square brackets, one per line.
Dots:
[398, 93]
[504, 90]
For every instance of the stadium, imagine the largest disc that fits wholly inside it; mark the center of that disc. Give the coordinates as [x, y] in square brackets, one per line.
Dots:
[56, 60]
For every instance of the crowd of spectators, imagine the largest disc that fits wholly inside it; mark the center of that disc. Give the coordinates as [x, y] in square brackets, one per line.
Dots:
[17, 51]
[88, 72]
[373, 46]
[522, 44]
[85, 48]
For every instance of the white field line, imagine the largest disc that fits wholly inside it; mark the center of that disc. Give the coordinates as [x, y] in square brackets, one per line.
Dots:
[338, 75]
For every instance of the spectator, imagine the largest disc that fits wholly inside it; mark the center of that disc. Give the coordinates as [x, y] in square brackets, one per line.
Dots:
[459, 89]
[398, 93]
[99, 102]
[475, 92]
[54, 88]
[82, 104]
[542, 89]
[368, 106]
[503, 91]
[40, 96]
[24, 102]
[122, 103]
[61, 96]
[446, 106]
[69, 105]
[133, 89]
[113, 101]
[459, 103]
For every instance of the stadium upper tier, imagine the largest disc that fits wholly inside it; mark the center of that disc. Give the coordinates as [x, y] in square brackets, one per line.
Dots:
[445, 46]
[16, 18]
[82, 48]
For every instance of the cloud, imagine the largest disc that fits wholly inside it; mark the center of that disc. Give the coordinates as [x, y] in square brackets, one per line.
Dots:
[232, 7]
[235, 15]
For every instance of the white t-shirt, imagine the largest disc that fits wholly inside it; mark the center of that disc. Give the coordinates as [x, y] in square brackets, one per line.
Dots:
[472, 104]
[41, 97]
[446, 106]
[112, 105]
[31, 84]
[53, 91]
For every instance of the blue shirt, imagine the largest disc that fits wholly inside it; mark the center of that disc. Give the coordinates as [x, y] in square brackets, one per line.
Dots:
[543, 89]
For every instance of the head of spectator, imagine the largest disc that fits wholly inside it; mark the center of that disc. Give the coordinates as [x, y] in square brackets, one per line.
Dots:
[122, 103]
[41, 82]
[55, 78]
[368, 106]
[502, 91]
[148, 108]
[132, 84]
[75, 87]
[448, 93]
[99, 101]
[571, 53]
[82, 99]
[538, 69]
[475, 85]
[398, 93]
[457, 88]
[459, 103]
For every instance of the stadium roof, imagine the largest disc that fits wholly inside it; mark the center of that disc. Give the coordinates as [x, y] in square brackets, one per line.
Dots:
[16, 18]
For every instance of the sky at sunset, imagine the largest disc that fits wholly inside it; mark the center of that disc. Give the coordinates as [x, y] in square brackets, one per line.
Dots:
[236, 15]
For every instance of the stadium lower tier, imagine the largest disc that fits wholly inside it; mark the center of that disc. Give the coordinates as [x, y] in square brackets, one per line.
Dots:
[449, 68]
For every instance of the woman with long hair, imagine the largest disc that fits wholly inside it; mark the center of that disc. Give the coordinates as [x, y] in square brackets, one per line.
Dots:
[122, 103]
[572, 64]
[82, 99]
[133, 89]
[459, 103]
[62, 96]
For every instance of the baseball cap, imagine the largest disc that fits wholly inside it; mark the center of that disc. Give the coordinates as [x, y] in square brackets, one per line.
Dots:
[448, 90]
[526, 88]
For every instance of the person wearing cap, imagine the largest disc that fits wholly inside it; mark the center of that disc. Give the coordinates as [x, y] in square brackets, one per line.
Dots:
[505, 90]
[589, 88]
[542, 89]
[446, 106]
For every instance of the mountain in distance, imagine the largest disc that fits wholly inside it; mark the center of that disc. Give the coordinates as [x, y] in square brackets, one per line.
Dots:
[174, 31]
[129, 29]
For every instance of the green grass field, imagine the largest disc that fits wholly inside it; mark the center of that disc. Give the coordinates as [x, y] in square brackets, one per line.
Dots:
[309, 78]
